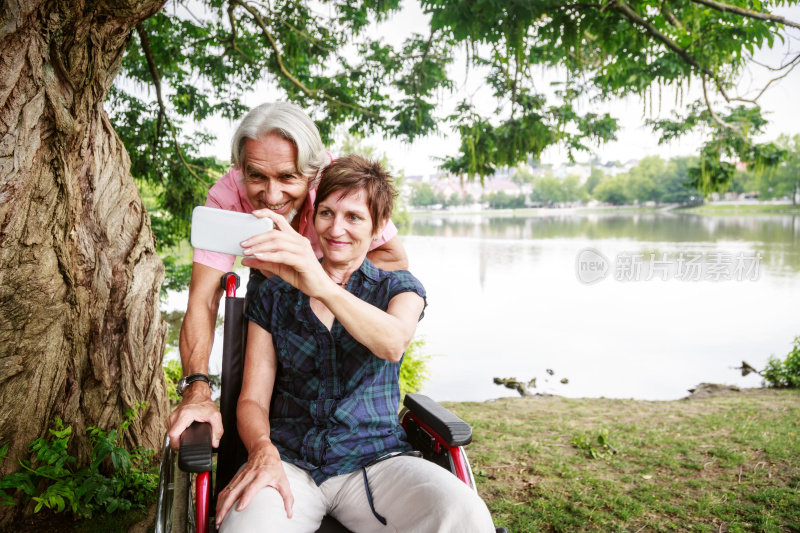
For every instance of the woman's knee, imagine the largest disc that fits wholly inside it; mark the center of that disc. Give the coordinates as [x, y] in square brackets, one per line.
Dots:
[467, 512]
[264, 513]
[437, 498]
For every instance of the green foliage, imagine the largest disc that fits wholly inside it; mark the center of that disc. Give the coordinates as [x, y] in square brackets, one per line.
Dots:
[549, 190]
[597, 447]
[651, 180]
[414, 370]
[172, 367]
[173, 371]
[115, 479]
[422, 195]
[673, 187]
[786, 373]
[200, 61]
[192, 62]
[503, 200]
[595, 177]
[613, 190]
[730, 137]
[785, 182]
[177, 274]
[620, 48]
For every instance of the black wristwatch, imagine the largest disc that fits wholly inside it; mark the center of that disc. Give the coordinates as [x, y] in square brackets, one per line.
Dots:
[185, 381]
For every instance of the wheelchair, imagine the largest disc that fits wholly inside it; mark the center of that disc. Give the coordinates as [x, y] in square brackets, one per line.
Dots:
[187, 505]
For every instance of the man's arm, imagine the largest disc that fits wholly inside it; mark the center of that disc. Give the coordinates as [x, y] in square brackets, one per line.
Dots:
[196, 338]
[391, 255]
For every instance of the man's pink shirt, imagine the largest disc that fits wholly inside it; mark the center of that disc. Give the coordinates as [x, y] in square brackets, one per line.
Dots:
[229, 193]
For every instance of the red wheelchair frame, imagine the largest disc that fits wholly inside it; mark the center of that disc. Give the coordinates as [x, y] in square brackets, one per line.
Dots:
[431, 429]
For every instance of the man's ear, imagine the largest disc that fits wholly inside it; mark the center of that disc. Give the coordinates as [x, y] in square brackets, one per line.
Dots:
[381, 227]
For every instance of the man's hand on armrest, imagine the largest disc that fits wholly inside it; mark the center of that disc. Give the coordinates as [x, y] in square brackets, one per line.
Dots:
[195, 405]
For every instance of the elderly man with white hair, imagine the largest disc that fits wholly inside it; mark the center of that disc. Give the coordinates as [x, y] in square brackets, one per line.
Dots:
[277, 157]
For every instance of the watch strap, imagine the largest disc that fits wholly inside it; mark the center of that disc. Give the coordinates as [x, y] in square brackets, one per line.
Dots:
[188, 380]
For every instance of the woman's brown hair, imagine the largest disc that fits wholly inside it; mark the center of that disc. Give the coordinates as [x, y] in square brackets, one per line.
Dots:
[352, 173]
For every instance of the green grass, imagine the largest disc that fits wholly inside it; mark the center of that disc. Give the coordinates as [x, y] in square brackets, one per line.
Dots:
[730, 462]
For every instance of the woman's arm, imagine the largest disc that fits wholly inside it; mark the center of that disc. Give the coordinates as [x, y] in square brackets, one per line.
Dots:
[388, 333]
[289, 255]
[263, 467]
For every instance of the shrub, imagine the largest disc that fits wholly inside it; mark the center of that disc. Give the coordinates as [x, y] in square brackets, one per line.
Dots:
[786, 373]
[172, 374]
[51, 479]
[414, 370]
[598, 447]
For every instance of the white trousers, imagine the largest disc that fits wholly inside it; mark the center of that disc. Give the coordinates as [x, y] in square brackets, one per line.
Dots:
[412, 494]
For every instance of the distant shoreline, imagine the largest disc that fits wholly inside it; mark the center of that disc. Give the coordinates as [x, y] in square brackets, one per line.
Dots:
[715, 209]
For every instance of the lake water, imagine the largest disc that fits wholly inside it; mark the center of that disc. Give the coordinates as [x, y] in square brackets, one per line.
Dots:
[505, 299]
[508, 297]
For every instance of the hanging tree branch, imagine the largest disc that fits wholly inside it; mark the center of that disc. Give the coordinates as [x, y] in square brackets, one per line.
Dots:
[162, 109]
[233, 46]
[316, 42]
[742, 12]
[144, 38]
[790, 64]
[634, 17]
[770, 82]
[312, 93]
[716, 118]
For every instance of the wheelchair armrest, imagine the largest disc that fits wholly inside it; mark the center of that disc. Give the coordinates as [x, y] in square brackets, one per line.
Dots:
[453, 430]
[194, 454]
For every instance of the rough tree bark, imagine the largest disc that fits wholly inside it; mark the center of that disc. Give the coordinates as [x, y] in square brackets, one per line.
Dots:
[81, 336]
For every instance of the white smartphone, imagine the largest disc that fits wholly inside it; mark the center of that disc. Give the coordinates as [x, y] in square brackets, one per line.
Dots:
[220, 230]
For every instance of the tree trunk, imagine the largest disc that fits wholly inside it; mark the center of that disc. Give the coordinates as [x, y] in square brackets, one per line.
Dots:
[81, 336]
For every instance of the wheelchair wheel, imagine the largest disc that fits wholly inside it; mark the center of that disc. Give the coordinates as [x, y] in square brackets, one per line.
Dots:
[175, 508]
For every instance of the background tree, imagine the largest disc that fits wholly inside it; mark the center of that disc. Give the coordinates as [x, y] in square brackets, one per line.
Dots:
[651, 180]
[785, 181]
[641, 179]
[422, 195]
[503, 200]
[596, 175]
[549, 190]
[613, 190]
[673, 187]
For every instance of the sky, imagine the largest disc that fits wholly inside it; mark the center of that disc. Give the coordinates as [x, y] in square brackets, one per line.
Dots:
[780, 105]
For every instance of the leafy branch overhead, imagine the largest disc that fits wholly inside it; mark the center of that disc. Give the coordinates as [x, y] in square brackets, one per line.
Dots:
[197, 60]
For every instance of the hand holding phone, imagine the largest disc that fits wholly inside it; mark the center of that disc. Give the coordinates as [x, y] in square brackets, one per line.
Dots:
[220, 230]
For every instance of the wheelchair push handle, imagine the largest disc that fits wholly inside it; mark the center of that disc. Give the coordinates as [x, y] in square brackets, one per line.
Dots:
[194, 454]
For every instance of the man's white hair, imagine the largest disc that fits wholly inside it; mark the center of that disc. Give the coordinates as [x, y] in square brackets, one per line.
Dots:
[293, 124]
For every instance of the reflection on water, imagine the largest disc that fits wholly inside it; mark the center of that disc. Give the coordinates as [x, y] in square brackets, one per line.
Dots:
[777, 237]
[504, 300]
